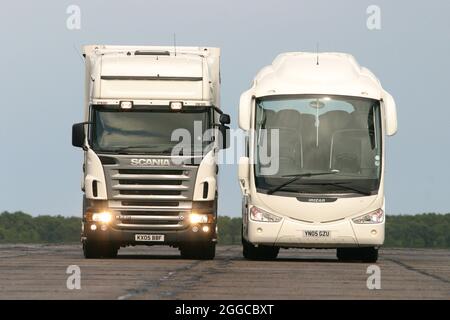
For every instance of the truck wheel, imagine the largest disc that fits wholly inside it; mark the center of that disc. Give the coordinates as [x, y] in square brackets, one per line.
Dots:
[96, 250]
[252, 252]
[208, 251]
[201, 251]
[368, 254]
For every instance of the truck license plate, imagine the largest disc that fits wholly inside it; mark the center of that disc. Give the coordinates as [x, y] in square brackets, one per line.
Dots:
[317, 233]
[149, 237]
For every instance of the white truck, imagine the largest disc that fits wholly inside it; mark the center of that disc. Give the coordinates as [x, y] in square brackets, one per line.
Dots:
[151, 133]
[313, 172]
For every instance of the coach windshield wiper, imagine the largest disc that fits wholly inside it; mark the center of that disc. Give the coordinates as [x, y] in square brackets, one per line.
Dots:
[299, 176]
[341, 185]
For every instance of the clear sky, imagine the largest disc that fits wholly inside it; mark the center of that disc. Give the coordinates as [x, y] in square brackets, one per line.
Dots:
[41, 82]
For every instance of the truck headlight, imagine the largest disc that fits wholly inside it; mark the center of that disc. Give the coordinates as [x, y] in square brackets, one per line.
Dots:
[257, 214]
[102, 217]
[376, 216]
[196, 218]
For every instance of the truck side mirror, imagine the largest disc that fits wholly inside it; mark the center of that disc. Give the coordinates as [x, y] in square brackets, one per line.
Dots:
[78, 135]
[224, 136]
[224, 118]
[245, 110]
[390, 113]
[244, 170]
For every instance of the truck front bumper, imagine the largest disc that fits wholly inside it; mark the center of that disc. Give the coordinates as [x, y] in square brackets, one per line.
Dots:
[122, 237]
[293, 233]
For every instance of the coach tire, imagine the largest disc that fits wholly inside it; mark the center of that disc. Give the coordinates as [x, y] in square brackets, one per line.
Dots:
[252, 252]
[365, 254]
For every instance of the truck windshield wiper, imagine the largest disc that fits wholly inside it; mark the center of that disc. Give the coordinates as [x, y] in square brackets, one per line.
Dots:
[127, 148]
[299, 176]
[341, 185]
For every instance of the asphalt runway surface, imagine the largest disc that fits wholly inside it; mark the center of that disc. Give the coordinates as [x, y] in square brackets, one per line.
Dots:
[158, 272]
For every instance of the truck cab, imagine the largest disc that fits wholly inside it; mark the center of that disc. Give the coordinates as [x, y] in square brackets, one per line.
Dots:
[313, 172]
[151, 133]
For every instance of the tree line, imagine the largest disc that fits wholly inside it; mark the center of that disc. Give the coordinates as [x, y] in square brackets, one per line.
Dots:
[428, 230]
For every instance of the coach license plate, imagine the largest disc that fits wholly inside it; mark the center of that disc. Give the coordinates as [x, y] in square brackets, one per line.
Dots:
[317, 233]
[149, 237]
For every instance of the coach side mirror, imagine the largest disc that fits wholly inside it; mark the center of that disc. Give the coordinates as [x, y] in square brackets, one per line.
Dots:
[245, 110]
[244, 172]
[390, 113]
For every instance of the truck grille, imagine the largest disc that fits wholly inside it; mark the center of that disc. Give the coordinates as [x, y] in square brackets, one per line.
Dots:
[132, 219]
[156, 198]
[150, 184]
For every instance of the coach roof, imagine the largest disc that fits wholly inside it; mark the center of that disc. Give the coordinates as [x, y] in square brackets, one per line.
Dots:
[312, 73]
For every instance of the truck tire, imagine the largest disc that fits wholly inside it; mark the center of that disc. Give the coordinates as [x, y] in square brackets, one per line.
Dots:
[97, 250]
[366, 254]
[199, 251]
[252, 252]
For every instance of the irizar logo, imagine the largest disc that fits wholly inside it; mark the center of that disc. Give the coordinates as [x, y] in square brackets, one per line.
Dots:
[150, 162]
[317, 200]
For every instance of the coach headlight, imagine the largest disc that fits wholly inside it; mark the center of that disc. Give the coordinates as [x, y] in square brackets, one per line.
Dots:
[257, 214]
[376, 216]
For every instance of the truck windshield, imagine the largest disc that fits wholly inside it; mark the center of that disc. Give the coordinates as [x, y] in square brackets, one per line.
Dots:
[318, 133]
[150, 131]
